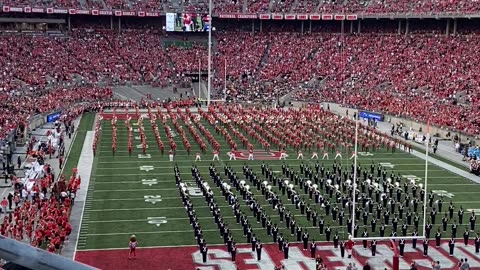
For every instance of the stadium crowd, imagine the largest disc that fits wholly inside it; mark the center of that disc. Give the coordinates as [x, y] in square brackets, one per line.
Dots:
[256, 6]
[418, 76]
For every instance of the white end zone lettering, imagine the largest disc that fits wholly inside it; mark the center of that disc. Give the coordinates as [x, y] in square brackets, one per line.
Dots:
[296, 259]
[152, 198]
[365, 154]
[265, 263]
[146, 168]
[157, 220]
[443, 193]
[219, 258]
[144, 156]
[149, 182]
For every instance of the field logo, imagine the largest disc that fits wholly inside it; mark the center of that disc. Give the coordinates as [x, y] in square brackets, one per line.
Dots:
[365, 154]
[411, 177]
[257, 155]
[195, 192]
[149, 182]
[477, 211]
[152, 198]
[139, 146]
[387, 164]
[144, 156]
[146, 168]
[443, 193]
[157, 220]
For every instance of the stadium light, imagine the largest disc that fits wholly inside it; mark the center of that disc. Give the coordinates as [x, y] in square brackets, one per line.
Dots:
[387, 238]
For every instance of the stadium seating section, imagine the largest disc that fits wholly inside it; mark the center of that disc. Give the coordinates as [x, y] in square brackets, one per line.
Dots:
[418, 76]
[259, 6]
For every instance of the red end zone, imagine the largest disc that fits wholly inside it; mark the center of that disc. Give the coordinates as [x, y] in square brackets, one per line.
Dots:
[185, 258]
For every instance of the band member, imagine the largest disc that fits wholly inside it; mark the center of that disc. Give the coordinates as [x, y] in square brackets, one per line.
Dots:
[466, 235]
[283, 155]
[280, 242]
[250, 154]
[170, 155]
[414, 241]
[374, 247]
[305, 240]
[259, 250]
[472, 222]
[215, 155]
[365, 234]
[325, 155]
[197, 157]
[338, 155]
[451, 246]
[254, 242]
[233, 252]
[328, 231]
[133, 246]
[438, 237]
[314, 155]
[232, 155]
[425, 247]
[353, 155]
[204, 251]
[300, 154]
[313, 249]
[286, 246]
[401, 245]
[477, 244]
[342, 249]
[335, 240]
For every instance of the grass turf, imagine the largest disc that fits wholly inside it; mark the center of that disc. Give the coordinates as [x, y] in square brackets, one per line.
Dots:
[118, 195]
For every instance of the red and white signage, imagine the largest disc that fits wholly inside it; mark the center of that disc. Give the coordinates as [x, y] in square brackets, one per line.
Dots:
[302, 17]
[339, 17]
[264, 16]
[352, 17]
[290, 16]
[327, 17]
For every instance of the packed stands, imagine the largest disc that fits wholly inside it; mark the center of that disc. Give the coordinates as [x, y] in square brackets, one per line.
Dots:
[421, 76]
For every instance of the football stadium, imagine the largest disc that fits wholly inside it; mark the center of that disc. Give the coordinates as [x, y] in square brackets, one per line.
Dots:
[227, 135]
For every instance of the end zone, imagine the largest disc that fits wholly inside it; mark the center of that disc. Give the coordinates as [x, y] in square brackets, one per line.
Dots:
[219, 259]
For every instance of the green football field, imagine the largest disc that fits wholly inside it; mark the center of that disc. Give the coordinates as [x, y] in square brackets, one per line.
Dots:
[137, 195]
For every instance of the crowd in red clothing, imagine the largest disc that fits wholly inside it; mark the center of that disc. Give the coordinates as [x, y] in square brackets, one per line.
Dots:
[41, 214]
[417, 76]
[256, 6]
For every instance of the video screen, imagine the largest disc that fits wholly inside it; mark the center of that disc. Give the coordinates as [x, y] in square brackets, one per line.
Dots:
[187, 22]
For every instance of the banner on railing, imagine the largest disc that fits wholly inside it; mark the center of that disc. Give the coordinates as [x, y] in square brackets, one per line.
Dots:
[142, 13]
[53, 117]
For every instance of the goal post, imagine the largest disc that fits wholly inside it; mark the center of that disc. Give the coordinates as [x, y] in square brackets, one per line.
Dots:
[390, 239]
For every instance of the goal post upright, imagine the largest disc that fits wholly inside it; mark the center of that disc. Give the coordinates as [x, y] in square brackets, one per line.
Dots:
[396, 263]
